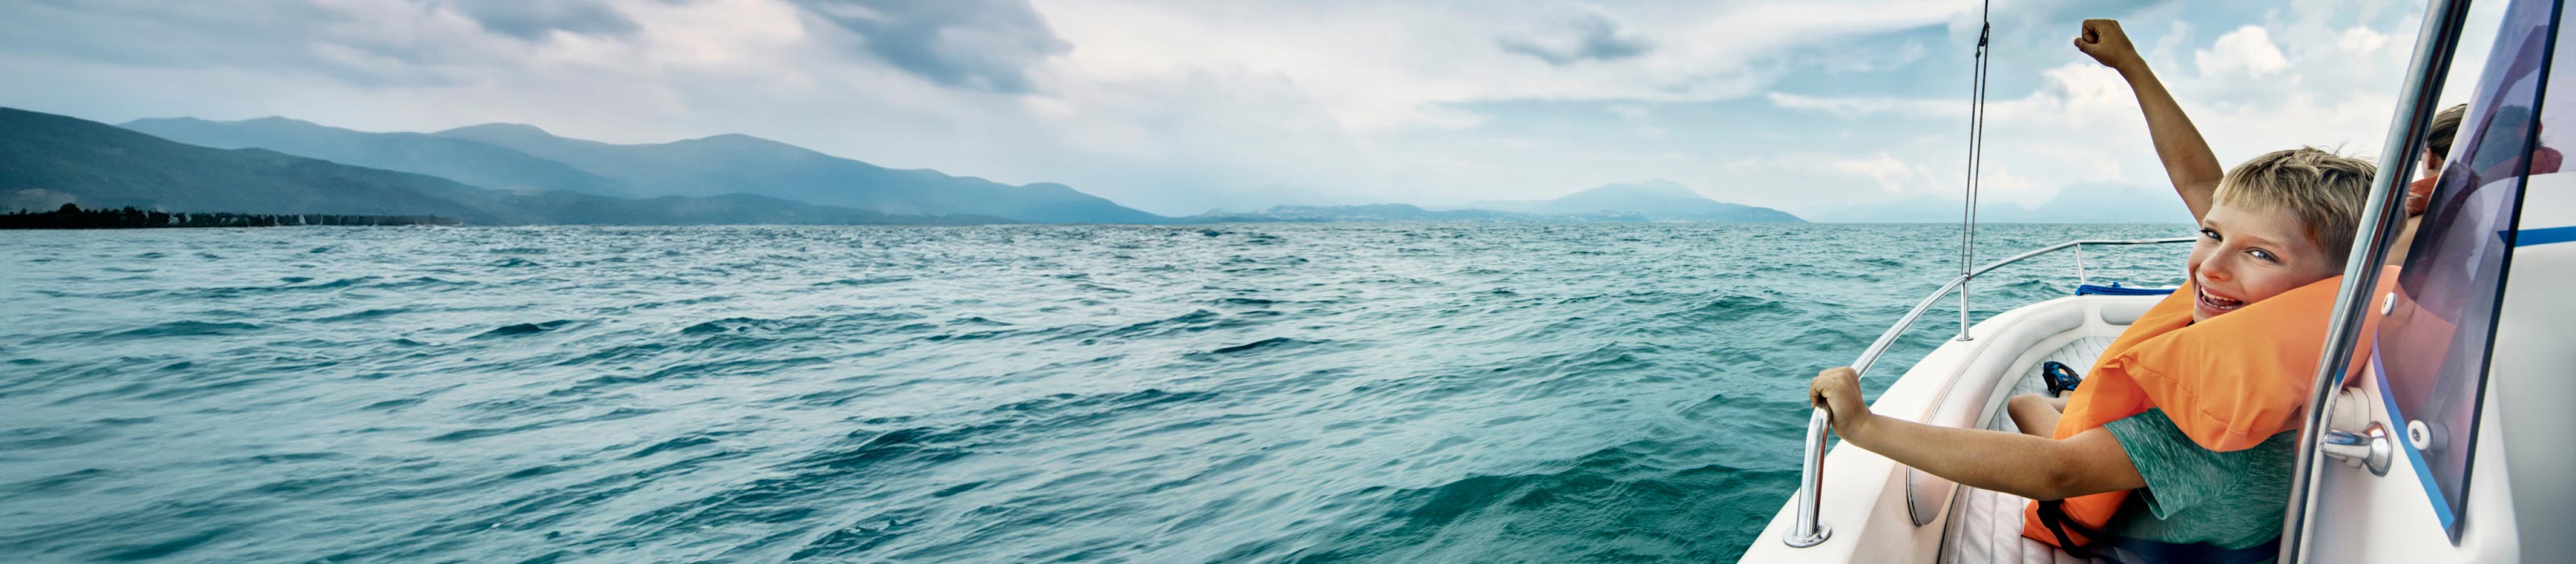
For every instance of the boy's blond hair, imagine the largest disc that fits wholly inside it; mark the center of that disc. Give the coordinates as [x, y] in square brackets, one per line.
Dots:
[2323, 190]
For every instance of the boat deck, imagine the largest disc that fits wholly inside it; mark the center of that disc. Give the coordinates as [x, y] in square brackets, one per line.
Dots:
[1985, 526]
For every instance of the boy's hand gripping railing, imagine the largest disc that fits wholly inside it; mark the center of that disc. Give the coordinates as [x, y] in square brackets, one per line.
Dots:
[1809, 529]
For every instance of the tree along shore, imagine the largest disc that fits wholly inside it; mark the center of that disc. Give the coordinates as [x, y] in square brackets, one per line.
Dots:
[73, 217]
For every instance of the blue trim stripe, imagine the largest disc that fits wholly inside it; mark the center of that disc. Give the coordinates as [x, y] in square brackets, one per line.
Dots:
[2544, 236]
[2423, 473]
[2115, 289]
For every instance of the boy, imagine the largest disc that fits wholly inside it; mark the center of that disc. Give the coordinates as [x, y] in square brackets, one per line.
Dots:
[2278, 222]
[2212, 478]
[2194, 171]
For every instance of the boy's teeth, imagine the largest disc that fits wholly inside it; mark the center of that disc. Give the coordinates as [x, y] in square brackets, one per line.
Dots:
[2218, 302]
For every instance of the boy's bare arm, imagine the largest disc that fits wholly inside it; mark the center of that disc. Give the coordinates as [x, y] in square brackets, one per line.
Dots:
[2188, 161]
[2034, 467]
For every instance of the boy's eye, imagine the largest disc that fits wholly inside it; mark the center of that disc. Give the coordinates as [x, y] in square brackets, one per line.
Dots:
[2263, 254]
[2206, 232]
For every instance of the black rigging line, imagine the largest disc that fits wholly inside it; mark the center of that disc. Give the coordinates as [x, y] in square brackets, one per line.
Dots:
[1976, 158]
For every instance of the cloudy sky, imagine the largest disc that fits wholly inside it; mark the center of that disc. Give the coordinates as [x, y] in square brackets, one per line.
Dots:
[1177, 106]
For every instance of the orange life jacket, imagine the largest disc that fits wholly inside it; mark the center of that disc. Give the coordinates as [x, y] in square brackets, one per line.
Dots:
[2229, 382]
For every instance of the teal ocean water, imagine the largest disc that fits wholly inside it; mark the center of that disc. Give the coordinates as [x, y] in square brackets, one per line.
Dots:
[1259, 392]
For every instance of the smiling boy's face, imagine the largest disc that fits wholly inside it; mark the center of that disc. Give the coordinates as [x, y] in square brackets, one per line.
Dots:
[2247, 254]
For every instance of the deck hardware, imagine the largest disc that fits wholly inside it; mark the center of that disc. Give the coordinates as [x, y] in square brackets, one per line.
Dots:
[2368, 449]
[2388, 304]
[1810, 530]
[2422, 434]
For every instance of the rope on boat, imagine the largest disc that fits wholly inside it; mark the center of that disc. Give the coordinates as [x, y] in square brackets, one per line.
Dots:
[1976, 158]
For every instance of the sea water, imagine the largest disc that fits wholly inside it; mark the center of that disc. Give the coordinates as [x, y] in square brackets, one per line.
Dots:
[1254, 392]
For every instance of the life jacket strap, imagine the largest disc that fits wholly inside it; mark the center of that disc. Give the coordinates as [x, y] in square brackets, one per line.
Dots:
[2053, 514]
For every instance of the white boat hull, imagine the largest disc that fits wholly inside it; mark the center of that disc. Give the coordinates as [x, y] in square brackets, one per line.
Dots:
[1880, 511]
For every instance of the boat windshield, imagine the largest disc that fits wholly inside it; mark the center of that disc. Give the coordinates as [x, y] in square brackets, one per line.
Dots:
[2432, 350]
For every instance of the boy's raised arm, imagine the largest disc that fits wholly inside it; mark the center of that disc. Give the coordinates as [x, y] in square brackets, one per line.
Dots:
[2188, 162]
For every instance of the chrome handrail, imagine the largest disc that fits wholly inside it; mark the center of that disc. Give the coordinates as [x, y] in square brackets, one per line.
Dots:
[1809, 529]
[2080, 279]
[1870, 355]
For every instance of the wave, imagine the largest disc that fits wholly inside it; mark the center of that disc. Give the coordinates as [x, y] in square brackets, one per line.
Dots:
[426, 282]
[1270, 344]
[869, 281]
[675, 444]
[364, 315]
[189, 328]
[1731, 309]
[1195, 321]
[517, 329]
[737, 325]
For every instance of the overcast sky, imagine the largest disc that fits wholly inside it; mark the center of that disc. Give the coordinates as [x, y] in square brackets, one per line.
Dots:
[1177, 106]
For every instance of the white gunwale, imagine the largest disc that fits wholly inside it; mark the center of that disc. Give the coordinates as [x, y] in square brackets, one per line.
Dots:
[1873, 503]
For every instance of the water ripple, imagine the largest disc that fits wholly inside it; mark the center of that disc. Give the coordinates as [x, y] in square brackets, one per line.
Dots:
[1433, 392]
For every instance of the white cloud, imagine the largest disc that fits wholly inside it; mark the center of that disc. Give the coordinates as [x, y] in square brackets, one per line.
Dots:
[1378, 66]
[2247, 51]
[1859, 106]
[2362, 41]
[1173, 105]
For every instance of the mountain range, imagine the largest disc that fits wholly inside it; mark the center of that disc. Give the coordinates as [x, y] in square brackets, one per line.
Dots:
[47, 160]
[521, 174]
[503, 155]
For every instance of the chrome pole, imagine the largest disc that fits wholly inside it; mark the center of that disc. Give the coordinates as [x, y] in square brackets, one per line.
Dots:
[2080, 279]
[1810, 529]
[2382, 218]
[1811, 485]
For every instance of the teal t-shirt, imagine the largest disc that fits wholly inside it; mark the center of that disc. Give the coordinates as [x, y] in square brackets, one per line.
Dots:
[2196, 495]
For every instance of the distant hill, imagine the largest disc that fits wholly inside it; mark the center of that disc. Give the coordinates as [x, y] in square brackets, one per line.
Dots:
[1221, 199]
[746, 164]
[101, 166]
[517, 156]
[47, 160]
[1657, 200]
[1403, 212]
[469, 162]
